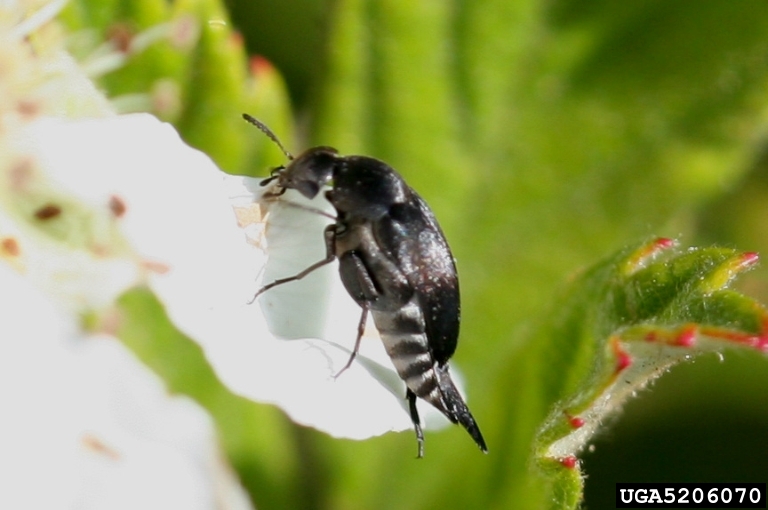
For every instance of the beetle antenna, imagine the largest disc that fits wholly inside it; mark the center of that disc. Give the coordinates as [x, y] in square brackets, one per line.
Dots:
[264, 129]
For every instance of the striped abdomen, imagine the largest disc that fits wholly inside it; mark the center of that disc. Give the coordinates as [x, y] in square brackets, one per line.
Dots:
[404, 335]
[405, 339]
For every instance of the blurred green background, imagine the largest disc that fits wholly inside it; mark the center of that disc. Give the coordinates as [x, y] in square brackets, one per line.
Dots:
[545, 135]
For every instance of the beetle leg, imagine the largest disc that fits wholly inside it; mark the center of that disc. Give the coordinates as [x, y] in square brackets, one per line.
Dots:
[357, 279]
[330, 255]
[411, 396]
[360, 330]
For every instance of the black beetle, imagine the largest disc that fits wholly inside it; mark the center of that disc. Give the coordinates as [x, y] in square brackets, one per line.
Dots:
[395, 262]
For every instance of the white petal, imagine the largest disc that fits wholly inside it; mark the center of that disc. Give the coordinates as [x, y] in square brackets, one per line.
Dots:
[70, 246]
[85, 425]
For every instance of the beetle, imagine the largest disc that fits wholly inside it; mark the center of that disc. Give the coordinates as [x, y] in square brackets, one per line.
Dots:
[395, 263]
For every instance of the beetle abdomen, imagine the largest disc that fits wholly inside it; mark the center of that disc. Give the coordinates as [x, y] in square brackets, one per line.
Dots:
[404, 335]
[405, 340]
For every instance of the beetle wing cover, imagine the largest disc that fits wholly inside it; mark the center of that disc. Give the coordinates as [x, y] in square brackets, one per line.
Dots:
[411, 237]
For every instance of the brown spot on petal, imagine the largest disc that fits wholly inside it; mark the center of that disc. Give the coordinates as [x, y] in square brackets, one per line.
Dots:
[28, 108]
[48, 212]
[110, 322]
[101, 250]
[117, 206]
[10, 247]
[96, 445]
[21, 173]
[156, 267]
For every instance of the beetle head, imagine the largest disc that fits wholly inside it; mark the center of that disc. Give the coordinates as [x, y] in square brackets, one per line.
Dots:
[307, 173]
[310, 171]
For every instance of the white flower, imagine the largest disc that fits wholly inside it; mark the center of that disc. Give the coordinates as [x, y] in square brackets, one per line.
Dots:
[85, 425]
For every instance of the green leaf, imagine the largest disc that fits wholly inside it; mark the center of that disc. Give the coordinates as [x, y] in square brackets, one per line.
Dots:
[620, 325]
